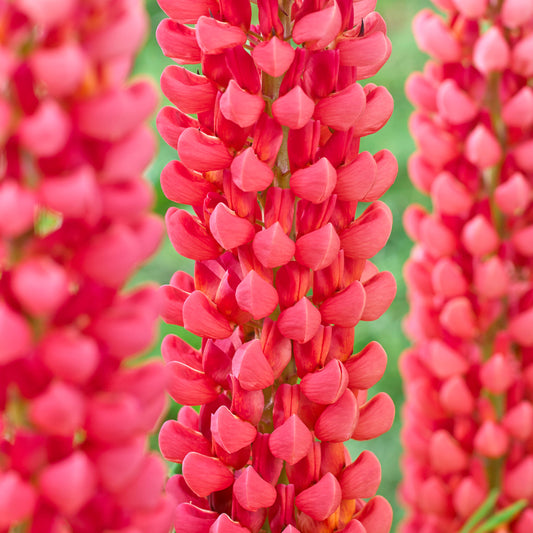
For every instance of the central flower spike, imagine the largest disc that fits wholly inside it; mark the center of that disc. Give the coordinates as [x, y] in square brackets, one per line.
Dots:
[268, 139]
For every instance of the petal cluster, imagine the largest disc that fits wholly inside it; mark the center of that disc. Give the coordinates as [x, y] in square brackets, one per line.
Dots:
[74, 227]
[268, 140]
[468, 420]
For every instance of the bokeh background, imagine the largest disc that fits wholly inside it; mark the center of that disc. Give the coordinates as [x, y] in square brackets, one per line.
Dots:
[395, 136]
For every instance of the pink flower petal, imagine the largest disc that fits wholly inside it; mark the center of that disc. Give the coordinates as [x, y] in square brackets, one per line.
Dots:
[291, 441]
[205, 475]
[322, 499]
[294, 109]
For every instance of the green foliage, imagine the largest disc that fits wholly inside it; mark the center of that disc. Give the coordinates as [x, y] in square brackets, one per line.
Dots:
[405, 59]
[483, 510]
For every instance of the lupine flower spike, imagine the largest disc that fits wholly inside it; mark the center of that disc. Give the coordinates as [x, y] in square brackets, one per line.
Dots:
[268, 142]
[469, 376]
[74, 225]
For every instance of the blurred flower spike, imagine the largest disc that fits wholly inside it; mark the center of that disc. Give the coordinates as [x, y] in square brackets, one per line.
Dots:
[268, 140]
[468, 425]
[74, 226]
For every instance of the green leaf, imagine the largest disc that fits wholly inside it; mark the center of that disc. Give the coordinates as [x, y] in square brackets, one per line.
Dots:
[502, 517]
[47, 221]
[481, 512]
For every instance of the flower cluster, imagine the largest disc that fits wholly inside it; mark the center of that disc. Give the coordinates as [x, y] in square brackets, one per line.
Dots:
[74, 225]
[469, 376]
[268, 139]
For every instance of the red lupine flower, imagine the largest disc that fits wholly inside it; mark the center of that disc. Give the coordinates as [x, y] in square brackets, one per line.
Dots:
[75, 225]
[272, 169]
[469, 275]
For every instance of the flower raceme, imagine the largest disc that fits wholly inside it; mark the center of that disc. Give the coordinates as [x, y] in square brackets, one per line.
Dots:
[74, 226]
[268, 139]
[469, 414]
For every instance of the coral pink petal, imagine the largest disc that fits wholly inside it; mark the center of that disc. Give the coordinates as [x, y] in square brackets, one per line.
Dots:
[182, 186]
[459, 319]
[300, 322]
[498, 373]
[375, 417]
[16, 335]
[256, 295]
[346, 307]
[482, 148]
[322, 499]
[318, 28]
[189, 236]
[273, 247]
[378, 110]
[367, 367]
[380, 292]
[224, 524]
[60, 410]
[230, 432]
[327, 385]
[171, 304]
[355, 180]
[518, 421]
[518, 481]
[318, 249]
[491, 440]
[190, 92]
[69, 483]
[491, 52]
[252, 491]
[249, 173]
[445, 453]
[518, 111]
[189, 386]
[205, 475]
[455, 396]
[372, 49]
[273, 56]
[435, 38]
[214, 36]
[454, 104]
[513, 196]
[202, 152]
[177, 440]
[201, 317]
[291, 441]
[376, 516]
[443, 361]
[251, 367]
[450, 196]
[515, 13]
[339, 420]
[228, 229]
[315, 182]
[361, 478]
[190, 518]
[240, 106]
[294, 109]
[171, 123]
[17, 499]
[369, 233]
[187, 12]
[340, 110]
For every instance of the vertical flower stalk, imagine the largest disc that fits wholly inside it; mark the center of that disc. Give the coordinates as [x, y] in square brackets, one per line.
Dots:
[75, 224]
[469, 415]
[268, 138]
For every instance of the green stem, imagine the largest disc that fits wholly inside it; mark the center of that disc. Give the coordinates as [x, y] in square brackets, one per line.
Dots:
[492, 176]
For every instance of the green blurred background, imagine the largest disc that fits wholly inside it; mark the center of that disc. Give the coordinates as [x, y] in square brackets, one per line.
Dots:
[405, 59]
